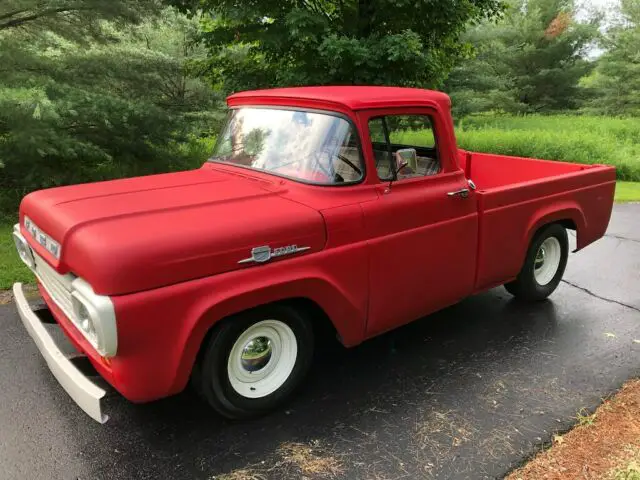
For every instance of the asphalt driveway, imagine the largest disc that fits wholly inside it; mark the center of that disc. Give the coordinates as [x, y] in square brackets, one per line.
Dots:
[469, 392]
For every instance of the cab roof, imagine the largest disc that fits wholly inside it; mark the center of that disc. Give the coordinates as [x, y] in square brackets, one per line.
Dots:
[350, 97]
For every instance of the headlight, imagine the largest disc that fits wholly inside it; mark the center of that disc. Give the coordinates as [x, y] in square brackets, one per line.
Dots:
[95, 318]
[85, 321]
[23, 248]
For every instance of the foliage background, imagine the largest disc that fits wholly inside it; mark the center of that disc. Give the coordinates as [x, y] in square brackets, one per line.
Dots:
[96, 93]
[93, 90]
[291, 42]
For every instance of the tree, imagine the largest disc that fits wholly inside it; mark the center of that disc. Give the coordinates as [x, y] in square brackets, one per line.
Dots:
[484, 81]
[532, 61]
[616, 83]
[265, 43]
[70, 18]
[96, 98]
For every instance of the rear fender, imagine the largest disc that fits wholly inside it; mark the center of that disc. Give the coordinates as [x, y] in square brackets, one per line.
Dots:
[556, 213]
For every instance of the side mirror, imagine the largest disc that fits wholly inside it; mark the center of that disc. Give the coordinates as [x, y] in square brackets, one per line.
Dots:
[399, 168]
[409, 157]
[405, 157]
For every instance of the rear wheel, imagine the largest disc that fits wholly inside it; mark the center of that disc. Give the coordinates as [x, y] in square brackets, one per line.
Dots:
[544, 265]
[254, 361]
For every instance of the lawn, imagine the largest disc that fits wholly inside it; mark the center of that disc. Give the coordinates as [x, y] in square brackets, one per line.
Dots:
[627, 192]
[13, 270]
[581, 139]
[11, 267]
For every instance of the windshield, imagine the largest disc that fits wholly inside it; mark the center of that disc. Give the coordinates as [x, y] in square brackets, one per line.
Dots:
[312, 147]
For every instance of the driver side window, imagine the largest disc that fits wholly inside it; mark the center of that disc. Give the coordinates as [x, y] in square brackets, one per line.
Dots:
[396, 137]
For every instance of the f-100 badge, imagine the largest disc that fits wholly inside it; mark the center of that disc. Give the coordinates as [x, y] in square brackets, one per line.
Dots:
[265, 253]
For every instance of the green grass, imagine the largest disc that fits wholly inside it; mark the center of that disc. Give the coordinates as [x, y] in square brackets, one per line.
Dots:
[627, 192]
[11, 267]
[581, 139]
[13, 270]
[630, 472]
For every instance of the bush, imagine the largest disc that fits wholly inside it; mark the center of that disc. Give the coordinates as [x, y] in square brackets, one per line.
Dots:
[175, 157]
[99, 100]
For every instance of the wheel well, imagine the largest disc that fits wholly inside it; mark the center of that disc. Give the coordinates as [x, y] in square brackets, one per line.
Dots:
[322, 325]
[568, 224]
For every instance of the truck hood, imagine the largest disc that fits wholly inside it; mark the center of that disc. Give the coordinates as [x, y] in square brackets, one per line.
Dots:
[141, 233]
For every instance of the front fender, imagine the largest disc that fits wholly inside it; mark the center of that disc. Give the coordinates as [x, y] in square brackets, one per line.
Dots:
[347, 314]
[160, 331]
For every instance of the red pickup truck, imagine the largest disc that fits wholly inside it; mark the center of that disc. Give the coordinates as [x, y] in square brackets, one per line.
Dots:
[343, 206]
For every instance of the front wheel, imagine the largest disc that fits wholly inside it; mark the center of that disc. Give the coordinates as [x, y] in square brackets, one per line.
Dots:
[543, 266]
[255, 360]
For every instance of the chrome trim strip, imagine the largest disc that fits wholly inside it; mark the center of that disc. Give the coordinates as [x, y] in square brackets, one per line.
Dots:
[83, 391]
[57, 286]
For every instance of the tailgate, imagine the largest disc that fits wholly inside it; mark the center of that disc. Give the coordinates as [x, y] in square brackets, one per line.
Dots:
[510, 215]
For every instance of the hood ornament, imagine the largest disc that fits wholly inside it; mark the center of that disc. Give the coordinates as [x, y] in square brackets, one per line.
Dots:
[264, 253]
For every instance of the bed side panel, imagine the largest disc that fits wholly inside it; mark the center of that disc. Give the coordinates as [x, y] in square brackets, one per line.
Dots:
[510, 216]
[490, 171]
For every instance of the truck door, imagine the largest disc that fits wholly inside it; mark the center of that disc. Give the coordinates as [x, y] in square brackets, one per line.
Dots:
[423, 228]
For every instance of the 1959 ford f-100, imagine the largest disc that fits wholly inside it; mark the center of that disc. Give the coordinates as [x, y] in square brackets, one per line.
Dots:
[343, 206]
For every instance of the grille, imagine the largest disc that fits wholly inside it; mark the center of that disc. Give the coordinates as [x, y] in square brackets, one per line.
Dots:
[57, 286]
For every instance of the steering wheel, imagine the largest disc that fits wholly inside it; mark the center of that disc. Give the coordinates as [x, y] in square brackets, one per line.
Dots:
[350, 163]
[333, 174]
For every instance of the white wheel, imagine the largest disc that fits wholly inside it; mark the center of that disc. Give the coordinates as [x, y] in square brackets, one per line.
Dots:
[547, 260]
[262, 358]
[254, 361]
[543, 265]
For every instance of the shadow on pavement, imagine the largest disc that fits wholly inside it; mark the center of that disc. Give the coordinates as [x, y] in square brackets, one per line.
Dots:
[399, 377]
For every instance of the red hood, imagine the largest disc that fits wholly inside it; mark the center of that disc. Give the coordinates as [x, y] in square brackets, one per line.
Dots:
[140, 233]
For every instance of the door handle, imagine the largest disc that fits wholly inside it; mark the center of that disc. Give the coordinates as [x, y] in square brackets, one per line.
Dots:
[463, 192]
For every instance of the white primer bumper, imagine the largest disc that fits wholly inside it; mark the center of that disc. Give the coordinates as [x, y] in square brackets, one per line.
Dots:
[83, 391]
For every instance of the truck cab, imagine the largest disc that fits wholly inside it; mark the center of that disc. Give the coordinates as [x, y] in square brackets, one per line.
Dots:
[346, 206]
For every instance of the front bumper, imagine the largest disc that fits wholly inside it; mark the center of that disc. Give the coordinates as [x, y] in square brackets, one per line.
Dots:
[83, 391]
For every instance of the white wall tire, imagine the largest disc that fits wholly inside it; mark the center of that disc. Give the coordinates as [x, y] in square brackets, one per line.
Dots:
[254, 361]
[544, 265]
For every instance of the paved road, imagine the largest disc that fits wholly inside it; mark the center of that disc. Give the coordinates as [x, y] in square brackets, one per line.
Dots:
[465, 393]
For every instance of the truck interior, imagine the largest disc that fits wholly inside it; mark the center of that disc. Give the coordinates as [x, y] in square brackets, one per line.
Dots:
[426, 163]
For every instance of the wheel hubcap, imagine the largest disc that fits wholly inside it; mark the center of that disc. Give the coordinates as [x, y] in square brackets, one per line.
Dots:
[547, 260]
[256, 354]
[262, 358]
[540, 257]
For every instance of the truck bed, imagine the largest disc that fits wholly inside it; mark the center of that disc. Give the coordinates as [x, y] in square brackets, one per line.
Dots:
[516, 195]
